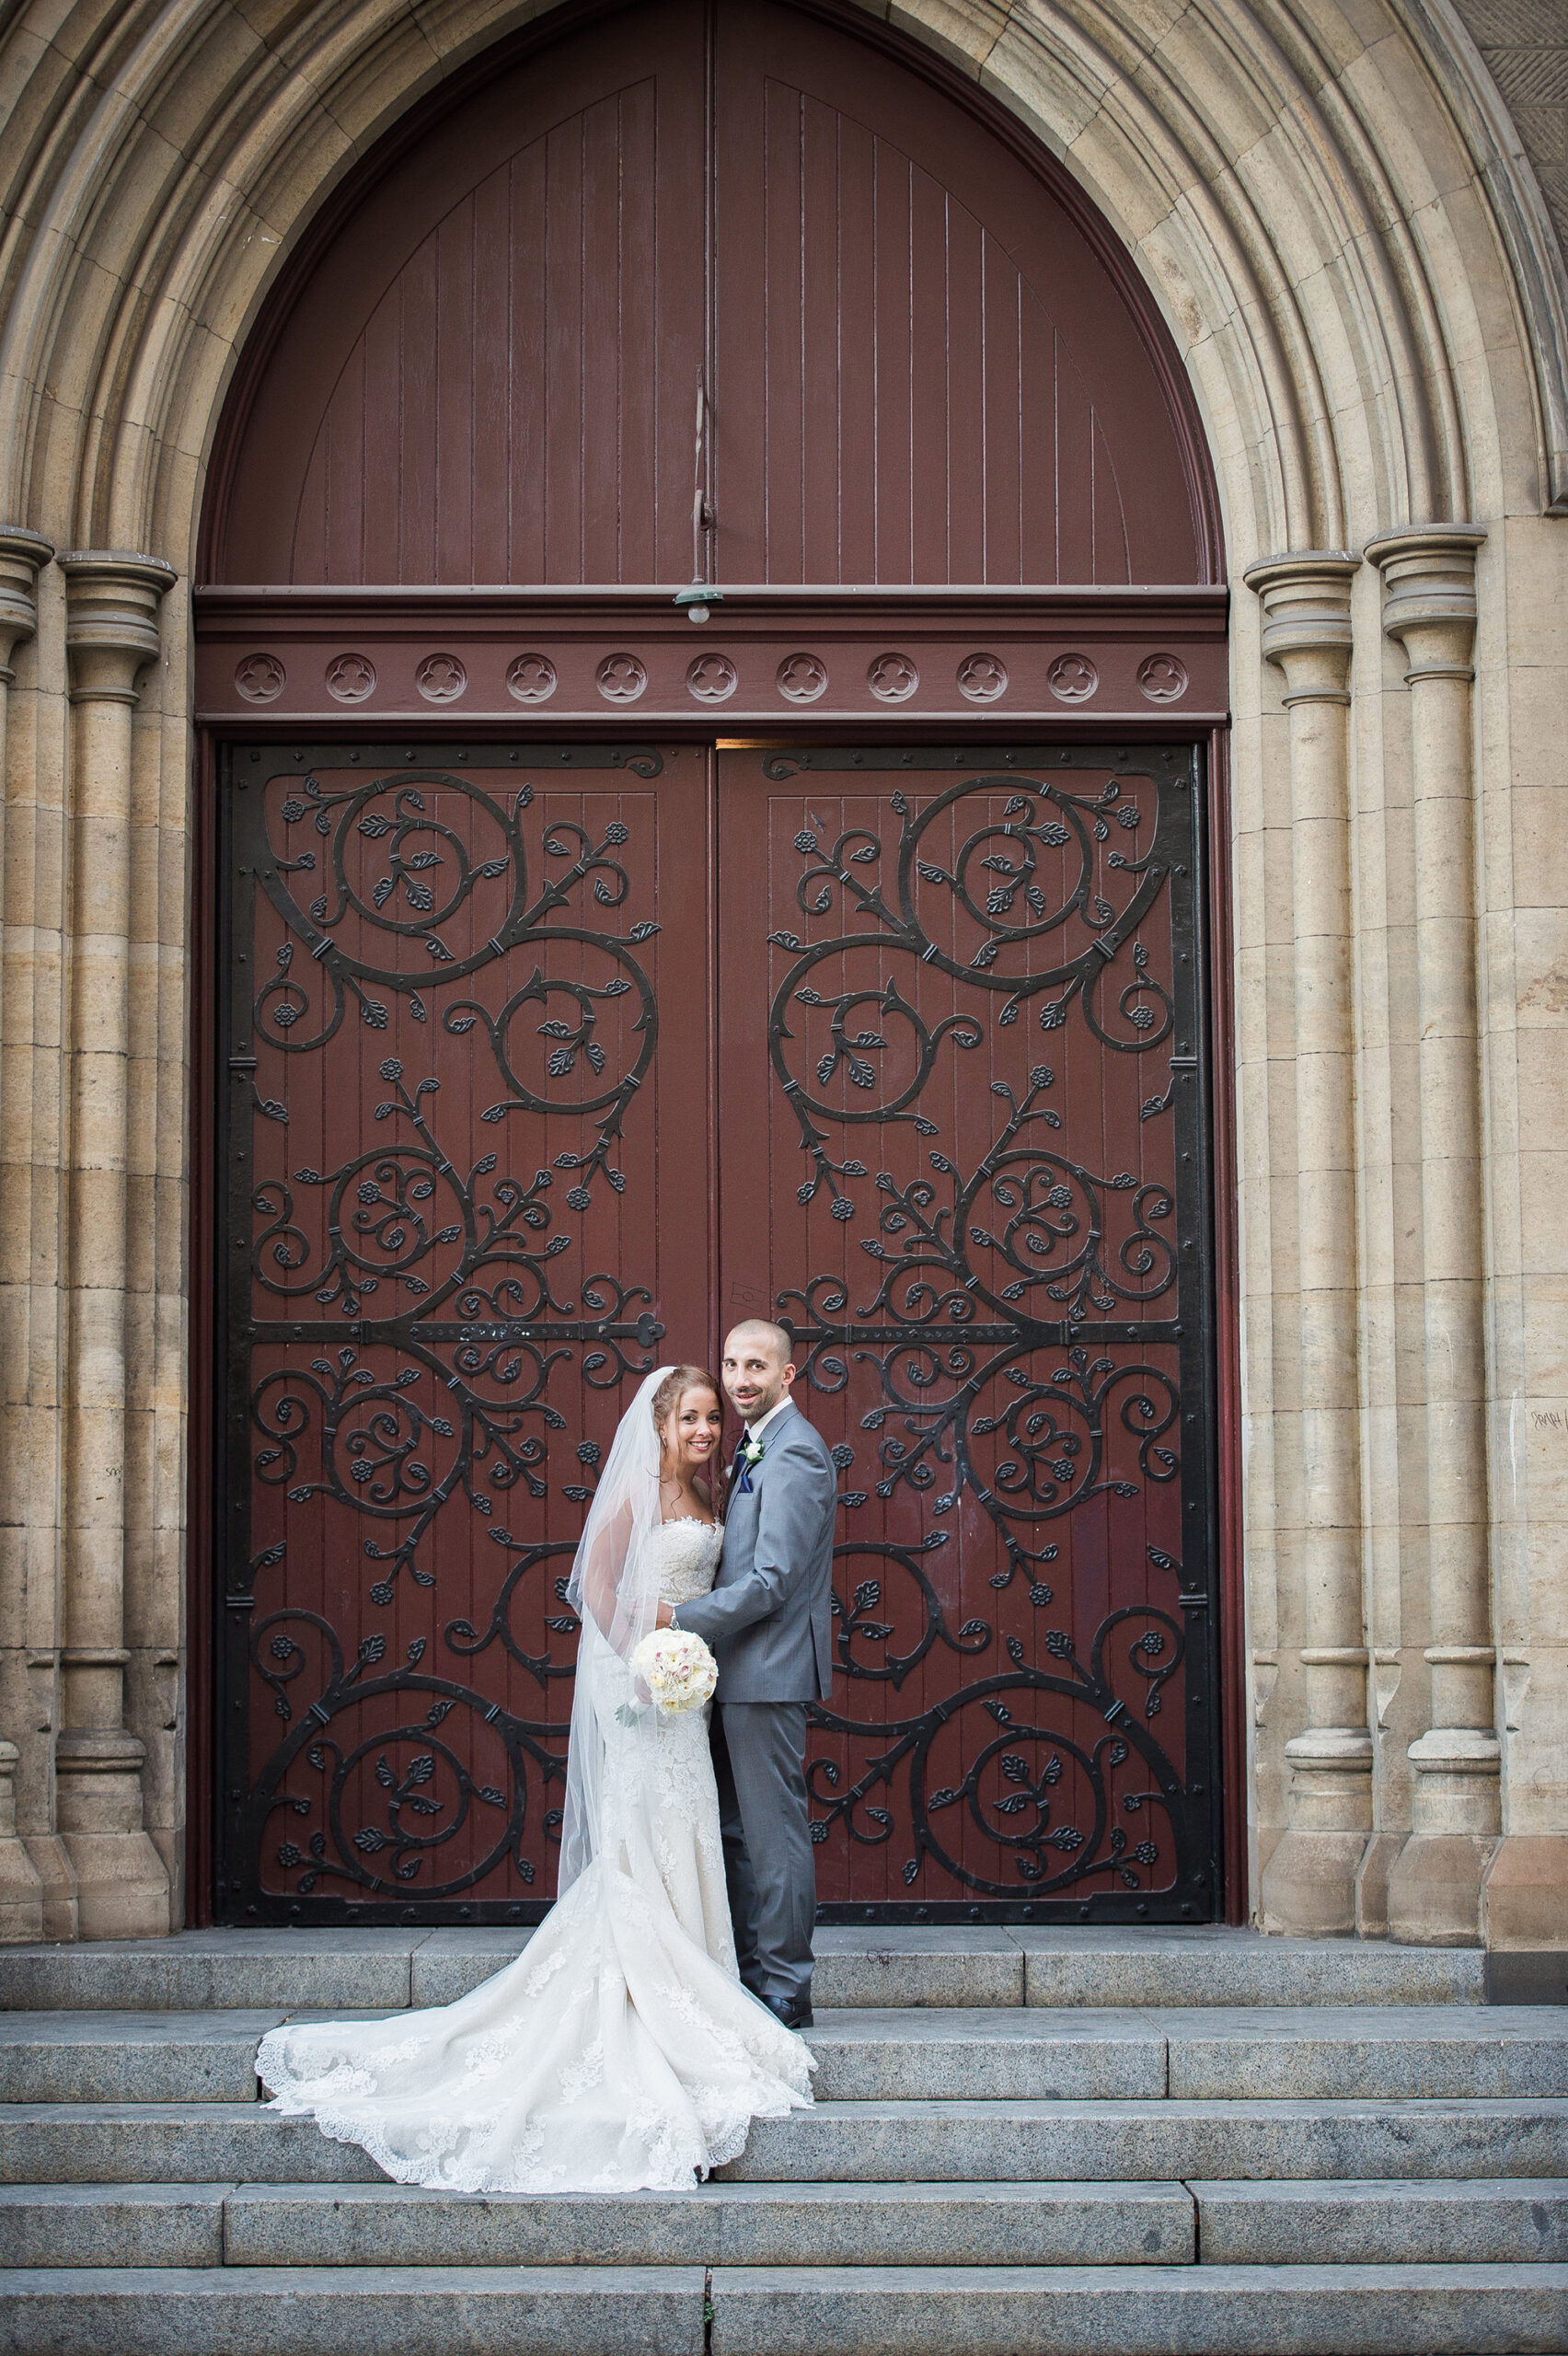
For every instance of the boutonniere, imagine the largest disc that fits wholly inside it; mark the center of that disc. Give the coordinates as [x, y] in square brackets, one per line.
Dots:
[752, 1452]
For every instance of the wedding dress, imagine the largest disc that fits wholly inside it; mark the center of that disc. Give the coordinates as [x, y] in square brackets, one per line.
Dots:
[620, 2051]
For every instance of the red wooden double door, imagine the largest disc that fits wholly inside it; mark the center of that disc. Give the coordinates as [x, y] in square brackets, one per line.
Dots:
[554, 1034]
[544, 1062]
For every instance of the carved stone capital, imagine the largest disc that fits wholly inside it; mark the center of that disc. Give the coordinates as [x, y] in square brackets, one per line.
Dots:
[23, 556]
[1429, 596]
[111, 620]
[1307, 633]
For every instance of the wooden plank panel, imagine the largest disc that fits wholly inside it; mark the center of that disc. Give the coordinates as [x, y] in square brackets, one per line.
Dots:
[822, 489]
[969, 489]
[418, 394]
[456, 449]
[931, 492]
[602, 281]
[466, 1213]
[1066, 498]
[527, 379]
[637, 329]
[783, 446]
[1002, 415]
[856, 347]
[923, 396]
[892, 233]
[565, 467]
[383, 440]
[985, 1227]
[490, 463]
[738, 295]
[345, 478]
[312, 536]
[1113, 550]
[860, 238]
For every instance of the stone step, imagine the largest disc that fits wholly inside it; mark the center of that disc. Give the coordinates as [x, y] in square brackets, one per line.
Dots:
[1215, 1966]
[756, 2225]
[184, 2143]
[131, 2056]
[354, 2311]
[1110, 2142]
[1462, 2051]
[986, 2055]
[1491, 2221]
[112, 2224]
[376, 1968]
[763, 2224]
[870, 2142]
[788, 2311]
[1501, 2221]
[230, 1970]
[1147, 2311]
[944, 2053]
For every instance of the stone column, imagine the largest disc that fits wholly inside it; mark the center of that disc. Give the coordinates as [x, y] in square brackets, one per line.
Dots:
[1309, 1886]
[112, 633]
[23, 556]
[21, 1884]
[1429, 608]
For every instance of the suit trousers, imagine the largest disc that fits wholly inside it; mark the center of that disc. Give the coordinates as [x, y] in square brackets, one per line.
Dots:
[759, 1752]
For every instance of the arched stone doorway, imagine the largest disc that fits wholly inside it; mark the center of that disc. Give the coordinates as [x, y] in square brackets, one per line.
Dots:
[1331, 211]
[847, 960]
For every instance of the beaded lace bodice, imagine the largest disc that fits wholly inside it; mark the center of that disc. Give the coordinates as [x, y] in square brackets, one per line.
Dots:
[689, 1552]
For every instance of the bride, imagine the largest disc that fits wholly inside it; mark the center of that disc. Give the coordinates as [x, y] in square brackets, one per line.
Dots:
[620, 2051]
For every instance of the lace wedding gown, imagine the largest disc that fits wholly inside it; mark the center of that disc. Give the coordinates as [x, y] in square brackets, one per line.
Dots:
[620, 2050]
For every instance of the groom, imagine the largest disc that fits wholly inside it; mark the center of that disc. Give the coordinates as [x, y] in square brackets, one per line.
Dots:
[769, 1622]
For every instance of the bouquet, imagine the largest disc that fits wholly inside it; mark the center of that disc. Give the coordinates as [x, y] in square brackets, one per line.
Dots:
[677, 1668]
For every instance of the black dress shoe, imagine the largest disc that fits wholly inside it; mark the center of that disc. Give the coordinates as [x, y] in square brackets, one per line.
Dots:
[795, 2012]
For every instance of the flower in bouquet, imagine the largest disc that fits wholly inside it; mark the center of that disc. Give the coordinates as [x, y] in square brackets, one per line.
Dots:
[677, 1667]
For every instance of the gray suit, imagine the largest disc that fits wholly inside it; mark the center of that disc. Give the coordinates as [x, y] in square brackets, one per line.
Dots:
[769, 1622]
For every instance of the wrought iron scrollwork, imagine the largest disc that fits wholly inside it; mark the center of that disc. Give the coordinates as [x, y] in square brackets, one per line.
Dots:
[987, 1329]
[979, 1270]
[426, 1790]
[1039, 1799]
[432, 1280]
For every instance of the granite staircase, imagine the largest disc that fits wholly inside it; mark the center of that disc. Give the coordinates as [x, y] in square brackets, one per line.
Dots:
[1107, 2143]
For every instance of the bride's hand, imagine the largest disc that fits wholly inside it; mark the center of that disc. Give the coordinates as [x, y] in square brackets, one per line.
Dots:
[664, 1616]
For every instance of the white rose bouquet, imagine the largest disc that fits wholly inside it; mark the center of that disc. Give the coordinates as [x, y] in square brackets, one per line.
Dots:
[677, 1667]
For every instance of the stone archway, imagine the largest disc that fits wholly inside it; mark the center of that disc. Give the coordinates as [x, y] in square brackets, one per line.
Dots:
[1356, 273]
[947, 494]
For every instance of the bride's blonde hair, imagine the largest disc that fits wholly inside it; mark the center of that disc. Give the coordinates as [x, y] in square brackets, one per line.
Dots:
[668, 1397]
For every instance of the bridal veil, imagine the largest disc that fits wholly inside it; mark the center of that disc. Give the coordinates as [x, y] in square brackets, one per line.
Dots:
[614, 1589]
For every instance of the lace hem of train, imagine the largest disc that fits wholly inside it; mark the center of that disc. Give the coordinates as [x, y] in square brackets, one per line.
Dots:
[615, 2054]
[619, 2052]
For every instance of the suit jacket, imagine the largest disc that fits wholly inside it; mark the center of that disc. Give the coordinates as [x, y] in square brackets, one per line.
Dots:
[768, 1619]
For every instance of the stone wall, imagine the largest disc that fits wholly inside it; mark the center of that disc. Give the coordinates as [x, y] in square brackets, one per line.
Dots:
[1331, 204]
[1524, 44]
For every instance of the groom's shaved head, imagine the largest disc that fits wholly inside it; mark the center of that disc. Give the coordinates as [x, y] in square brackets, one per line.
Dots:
[758, 1366]
[773, 1337]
